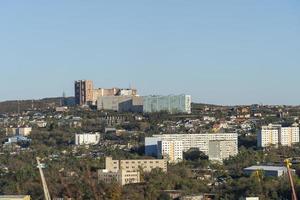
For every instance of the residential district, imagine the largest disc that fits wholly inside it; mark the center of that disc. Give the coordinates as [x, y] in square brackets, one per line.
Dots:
[115, 144]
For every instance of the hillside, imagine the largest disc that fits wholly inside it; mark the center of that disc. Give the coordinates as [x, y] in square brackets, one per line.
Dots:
[23, 105]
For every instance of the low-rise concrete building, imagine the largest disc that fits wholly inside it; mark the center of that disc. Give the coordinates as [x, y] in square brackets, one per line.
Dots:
[270, 171]
[87, 138]
[147, 165]
[123, 177]
[23, 131]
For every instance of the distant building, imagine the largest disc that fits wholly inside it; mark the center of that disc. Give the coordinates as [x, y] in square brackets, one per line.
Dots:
[61, 109]
[269, 171]
[120, 103]
[14, 197]
[23, 131]
[224, 144]
[275, 134]
[123, 177]
[101, 92]
[172, 104]
[146, 165]
[87, 139]
[41, 124]
[128, 171]
[84, 90]
[170, 150]
[219, 150]
[196, 197]
[17, 139]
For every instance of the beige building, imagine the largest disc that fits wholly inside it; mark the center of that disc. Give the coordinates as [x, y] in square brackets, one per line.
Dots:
[128, 171]
[102, 92]
[135, 165]
[120, 103]
[84, 91]
[123, 177]
[114, 94]
[14, 197]
[23, 131]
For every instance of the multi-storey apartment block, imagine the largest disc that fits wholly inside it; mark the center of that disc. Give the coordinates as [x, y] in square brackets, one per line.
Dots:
[170, 150]
[145, 164]
[275, 134]
[228, 143]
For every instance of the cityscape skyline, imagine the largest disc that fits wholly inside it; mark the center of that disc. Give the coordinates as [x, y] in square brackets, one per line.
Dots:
[227, 53]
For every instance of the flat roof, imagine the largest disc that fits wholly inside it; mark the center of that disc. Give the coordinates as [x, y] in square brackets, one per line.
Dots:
[266, 168]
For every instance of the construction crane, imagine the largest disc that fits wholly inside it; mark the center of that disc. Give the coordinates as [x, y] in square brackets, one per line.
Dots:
[45, 187]
[288, 166]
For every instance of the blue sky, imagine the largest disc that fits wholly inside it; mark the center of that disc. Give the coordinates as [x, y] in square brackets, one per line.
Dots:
[223, 52]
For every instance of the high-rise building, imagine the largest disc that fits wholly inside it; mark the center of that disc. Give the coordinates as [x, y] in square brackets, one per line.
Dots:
[227, 145]
[84, 91]
[170, 150]
[275, 134]
[172, 104]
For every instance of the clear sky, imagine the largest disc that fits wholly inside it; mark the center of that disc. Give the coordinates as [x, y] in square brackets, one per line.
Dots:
[224, 52]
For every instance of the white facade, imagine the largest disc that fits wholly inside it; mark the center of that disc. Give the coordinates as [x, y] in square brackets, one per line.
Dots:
[87, 138]
[200, 141]
[171, 150]
[288, 136]
[276, 134]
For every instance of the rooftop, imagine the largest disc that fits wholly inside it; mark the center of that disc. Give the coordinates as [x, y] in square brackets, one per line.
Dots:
[266, 168]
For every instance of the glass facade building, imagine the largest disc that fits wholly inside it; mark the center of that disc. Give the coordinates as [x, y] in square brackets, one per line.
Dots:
[171, 103]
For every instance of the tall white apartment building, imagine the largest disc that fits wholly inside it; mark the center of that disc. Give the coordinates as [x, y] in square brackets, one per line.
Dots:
[170, 150]
[288, 136]
[200, 141]
[87, 138]
[275, 134]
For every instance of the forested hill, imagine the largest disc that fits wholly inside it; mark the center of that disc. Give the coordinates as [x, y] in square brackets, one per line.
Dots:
[22, 105]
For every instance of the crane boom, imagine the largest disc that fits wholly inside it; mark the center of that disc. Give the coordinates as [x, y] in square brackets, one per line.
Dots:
[288, 166]
[45, 187]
